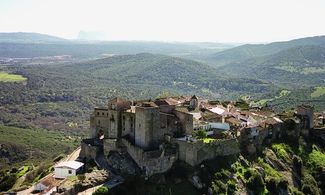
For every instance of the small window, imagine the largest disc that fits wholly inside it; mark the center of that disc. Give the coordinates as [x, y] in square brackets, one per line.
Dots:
[103, 113]
[70, 172]
[97, 113]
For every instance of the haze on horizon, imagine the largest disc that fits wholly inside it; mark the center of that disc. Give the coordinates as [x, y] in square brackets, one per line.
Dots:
[168, 20]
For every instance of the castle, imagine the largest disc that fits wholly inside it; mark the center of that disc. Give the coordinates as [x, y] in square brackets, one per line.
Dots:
[156, 133]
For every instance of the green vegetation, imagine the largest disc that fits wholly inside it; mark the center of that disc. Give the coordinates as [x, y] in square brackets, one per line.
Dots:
[201, 134]
[7, 77]
[33, 150]
[208, 140]
[319, 91]
[34, 146]
[101, 191]
[297, 67]
[282, 151]
[316, 158]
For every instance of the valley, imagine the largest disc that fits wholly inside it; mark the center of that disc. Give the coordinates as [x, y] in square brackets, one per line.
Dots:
[49, 86]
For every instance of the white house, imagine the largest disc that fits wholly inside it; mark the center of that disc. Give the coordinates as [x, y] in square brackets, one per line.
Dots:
[68, 168]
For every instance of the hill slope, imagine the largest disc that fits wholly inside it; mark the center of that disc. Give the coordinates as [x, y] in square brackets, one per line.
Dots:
[244, 52]
[297, 66]
[172, 73]
[25, 37]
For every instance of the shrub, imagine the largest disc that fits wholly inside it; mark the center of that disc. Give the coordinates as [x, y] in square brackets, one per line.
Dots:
[200, 134]
[7, 182]
[101, 191]
[281, 150]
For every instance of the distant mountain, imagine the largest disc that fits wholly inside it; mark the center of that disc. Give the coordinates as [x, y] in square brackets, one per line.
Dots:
[247, 51]
[25, 37]
[296, 66]
[91, 49]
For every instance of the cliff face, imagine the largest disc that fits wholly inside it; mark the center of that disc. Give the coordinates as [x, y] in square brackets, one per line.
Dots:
[281, 168]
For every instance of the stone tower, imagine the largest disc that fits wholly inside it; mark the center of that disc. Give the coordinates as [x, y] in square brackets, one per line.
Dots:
[147, 123]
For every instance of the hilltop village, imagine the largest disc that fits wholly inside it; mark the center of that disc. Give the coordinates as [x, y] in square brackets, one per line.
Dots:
[157, 133]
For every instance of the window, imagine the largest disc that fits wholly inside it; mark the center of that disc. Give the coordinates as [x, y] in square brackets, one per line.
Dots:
[70, 172]
[103, 113]
[97, 113]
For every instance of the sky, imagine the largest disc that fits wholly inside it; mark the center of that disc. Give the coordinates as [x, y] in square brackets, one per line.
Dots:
[228, 21]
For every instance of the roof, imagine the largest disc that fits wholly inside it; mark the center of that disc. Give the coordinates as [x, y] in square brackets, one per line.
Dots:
[69, 164]
[218, 110]
[196, 115]
[233, 121]
[49, 181]
[222, 126]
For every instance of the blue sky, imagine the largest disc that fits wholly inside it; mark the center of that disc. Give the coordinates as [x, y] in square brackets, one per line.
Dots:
[168, 20]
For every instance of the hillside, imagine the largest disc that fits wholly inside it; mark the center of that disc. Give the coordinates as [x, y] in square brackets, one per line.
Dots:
[248, 51]
[297, 66]
[161, 73]
[30, 45]
[61, 96]
[26, 37]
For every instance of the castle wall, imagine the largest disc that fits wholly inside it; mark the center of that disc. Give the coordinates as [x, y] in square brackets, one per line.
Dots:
[128, 124]
[186, 121]
[109, 145]
[99, 120]
[114, 120]
[152, 165]
[194, 153]
[87, 151]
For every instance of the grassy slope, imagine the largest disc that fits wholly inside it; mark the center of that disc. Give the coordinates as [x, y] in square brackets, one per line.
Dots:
[298, 66]
[24, 146]
[6, 77]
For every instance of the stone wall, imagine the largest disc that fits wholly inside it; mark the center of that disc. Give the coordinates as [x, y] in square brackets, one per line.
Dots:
[194, 153]
[99, 120]
[128, 124]
[151, 164]
[186, 120]
[147, 121]
[109, 145]
[88, 152]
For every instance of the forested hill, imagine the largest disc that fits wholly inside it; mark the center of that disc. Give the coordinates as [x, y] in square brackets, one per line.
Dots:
[247, 51]
[29, 45]
[154, 72]
[25, 37]
[297, 66]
